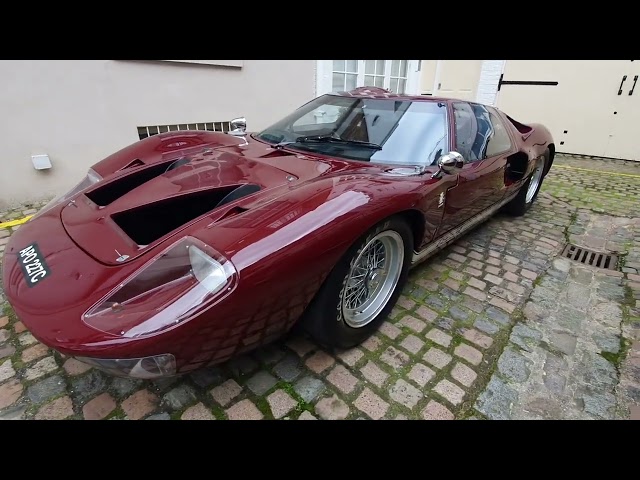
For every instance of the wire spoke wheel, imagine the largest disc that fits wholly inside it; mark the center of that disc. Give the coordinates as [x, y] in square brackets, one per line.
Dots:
[536, 177]
[372, 279]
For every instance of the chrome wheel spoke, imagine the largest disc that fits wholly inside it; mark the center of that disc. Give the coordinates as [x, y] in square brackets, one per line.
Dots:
[372, 279]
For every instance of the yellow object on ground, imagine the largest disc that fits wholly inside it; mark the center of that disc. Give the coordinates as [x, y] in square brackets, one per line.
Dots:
[13, 223]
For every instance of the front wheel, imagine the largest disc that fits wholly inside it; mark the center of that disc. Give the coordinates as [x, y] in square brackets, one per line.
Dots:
[363, 287]
[529, 190]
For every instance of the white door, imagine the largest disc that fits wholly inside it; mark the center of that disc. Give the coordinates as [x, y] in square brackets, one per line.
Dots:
[580, 101]
[451, 78]
[399, 76]
[626, 117]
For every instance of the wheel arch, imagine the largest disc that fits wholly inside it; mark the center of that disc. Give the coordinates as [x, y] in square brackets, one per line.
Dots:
[416, 222]
[552, 154]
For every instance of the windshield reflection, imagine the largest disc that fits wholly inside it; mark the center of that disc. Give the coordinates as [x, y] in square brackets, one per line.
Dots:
[409, 132]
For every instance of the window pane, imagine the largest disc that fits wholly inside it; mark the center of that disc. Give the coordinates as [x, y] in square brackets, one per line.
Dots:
[370, 67]
[408, 132]
[351, 82]
[402, 85]
[338, 82]
[338, 65]
[466, 131]
[369, 80]
[394, 85]
[500, 141]
[379, 82]
[379, 67]
[352, 66]
[403, 68]
[395, 68]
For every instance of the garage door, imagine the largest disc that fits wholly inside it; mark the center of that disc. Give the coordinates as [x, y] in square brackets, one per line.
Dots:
[591, 107]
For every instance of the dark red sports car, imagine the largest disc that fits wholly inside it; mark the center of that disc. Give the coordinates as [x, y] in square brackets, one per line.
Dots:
[189, 247]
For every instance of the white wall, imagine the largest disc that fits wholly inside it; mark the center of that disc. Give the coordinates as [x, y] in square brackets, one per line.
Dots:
[489, 79]
[80, 111]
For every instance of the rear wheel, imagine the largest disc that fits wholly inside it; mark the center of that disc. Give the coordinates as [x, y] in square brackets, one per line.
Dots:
[363, 287]
[529, 190]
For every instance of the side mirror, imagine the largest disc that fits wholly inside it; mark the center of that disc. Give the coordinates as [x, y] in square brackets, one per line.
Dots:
[238, 126]
[451, 163]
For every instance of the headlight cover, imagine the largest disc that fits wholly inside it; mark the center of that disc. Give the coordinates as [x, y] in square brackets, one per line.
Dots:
[176, 285]
[145, 367]
[91, 178]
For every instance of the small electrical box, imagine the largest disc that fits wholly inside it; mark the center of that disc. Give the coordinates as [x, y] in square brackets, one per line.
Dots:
[41, 162]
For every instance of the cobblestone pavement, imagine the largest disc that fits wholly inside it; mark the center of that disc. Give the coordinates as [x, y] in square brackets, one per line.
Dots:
[498, 325]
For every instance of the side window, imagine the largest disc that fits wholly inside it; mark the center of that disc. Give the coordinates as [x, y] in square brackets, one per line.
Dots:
[466, 131]
[500, 142]
[480, 132]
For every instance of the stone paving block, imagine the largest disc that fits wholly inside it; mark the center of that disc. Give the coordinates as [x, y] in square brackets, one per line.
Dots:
[99, 407]
[332, 408]
[319, 361]
[280, 403]
[58, 409]
[463, 374]
[223, 394]
[197, 412]
[412, 344]
[75, 367]
[469, 353]
[439, 337]
[10, 392]
[413, 323]
[351, 357]
[244, 410]
[342, 379]
[478, 338]
[436, 411]
[437, 357]
[140, 404]
[450, 391]
[261, 382]
[394, 358]
[405, 394]
[374, 374]
[389, 330]
[371, 404]
[421, 374]
[309, 388]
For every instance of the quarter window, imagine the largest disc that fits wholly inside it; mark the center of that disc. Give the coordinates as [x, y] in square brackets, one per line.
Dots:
[480, 133]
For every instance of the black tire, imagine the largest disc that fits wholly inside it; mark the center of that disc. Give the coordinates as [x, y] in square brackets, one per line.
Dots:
[519, 205]
[324, 320]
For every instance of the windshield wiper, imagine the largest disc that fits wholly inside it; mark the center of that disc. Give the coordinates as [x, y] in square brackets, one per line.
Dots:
[329, 139]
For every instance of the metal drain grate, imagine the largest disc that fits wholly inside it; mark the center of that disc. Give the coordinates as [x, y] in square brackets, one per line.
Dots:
[589, 257]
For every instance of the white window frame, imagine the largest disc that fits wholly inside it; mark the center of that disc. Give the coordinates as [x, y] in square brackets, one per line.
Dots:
[324, 76]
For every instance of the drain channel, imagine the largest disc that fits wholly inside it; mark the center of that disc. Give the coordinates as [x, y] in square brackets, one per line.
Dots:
[607, 261]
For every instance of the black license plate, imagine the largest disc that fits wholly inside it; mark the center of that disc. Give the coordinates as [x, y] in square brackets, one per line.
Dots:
[34, 268]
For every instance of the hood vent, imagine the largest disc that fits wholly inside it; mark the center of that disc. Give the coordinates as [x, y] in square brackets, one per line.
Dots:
[148, 223]
[239, 192]
[112, 190]
[135, 163]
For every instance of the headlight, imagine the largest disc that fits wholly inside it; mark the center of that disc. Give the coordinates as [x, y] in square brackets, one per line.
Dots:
[91, 178]
[145, 367]
[179, 283]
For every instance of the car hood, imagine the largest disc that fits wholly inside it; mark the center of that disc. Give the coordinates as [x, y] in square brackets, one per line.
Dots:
[136, 209]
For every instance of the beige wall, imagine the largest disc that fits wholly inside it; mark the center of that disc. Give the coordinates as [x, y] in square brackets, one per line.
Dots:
[452, 78]
[80, 111]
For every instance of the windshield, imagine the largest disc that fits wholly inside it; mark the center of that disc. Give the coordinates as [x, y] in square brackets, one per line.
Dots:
[387, 131]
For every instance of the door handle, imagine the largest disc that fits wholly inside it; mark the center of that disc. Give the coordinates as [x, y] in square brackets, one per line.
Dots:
[635, 79]
[621, 83]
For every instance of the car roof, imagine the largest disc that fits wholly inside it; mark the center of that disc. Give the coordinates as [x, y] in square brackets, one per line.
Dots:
[382, 93]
